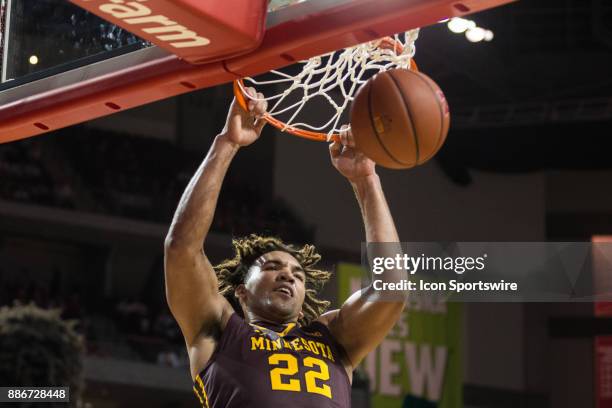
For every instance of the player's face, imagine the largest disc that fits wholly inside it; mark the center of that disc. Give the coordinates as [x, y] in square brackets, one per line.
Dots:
[274, 288]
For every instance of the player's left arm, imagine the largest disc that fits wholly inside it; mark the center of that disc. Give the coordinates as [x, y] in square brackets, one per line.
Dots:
[360, 325]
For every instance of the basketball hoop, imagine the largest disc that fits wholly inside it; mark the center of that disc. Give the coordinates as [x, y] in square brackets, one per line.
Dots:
[341, 72]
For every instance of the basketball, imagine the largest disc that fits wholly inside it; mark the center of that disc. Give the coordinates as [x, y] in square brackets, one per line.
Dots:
[399, 118]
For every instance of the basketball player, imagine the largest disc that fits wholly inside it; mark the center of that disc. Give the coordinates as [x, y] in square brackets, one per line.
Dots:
[254, 329]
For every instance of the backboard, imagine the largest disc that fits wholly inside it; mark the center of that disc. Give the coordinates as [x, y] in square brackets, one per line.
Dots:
[62, 65]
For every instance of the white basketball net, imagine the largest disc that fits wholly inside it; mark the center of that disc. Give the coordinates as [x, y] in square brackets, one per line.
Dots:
[341, 72]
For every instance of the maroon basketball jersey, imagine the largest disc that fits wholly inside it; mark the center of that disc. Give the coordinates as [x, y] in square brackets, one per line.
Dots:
[283, 366]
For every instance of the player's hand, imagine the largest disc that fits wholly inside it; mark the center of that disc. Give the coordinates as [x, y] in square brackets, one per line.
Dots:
[243, 128]
[349, 161]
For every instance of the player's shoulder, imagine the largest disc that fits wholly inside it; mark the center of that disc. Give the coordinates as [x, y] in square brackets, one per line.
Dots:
[327, 318]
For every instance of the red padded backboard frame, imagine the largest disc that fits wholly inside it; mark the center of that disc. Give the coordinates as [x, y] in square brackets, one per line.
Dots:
[195, 31]
[294, 33]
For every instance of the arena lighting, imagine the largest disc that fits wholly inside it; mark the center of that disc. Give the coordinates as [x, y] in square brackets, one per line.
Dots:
[472, 32]
[475, 34]
[459, 25]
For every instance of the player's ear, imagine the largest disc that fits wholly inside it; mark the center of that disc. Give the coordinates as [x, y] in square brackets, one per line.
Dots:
[300, 315]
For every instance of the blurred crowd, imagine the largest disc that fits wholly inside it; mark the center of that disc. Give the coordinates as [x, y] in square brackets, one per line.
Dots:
[92, 171]
[118, 328]
[24, 178]
[140, 178]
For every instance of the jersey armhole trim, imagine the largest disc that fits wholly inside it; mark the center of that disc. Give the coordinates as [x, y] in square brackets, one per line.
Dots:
[218, 347]
[200, 383]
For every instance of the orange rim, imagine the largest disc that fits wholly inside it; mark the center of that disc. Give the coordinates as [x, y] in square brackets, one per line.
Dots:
[280, 125]
[386, 43]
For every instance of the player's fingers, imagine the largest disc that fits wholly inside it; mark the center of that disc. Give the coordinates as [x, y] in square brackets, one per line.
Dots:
[348, 152]
[259, 124]
[251, 94]
[350, 140]
[335, 149]
[343, 134]
[261, 105]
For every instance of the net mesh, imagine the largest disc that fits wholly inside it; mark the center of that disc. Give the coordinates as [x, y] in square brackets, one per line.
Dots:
[333, 78]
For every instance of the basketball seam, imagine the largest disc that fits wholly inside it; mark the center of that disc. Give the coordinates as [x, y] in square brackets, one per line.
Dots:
[441, 119]
[373, 126]
[409, 115]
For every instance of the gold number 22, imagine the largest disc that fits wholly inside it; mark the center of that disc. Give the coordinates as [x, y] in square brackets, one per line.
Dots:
[291, 368]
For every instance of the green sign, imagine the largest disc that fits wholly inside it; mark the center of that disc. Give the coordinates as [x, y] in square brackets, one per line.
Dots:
[419, 364]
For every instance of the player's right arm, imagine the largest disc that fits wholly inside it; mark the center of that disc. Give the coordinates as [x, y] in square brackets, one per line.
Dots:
[191, 283]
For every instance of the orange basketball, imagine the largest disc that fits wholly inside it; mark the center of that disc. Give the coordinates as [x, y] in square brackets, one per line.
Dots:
[400, 118]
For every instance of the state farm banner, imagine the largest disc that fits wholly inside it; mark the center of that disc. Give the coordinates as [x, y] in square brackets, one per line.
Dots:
[196, 31]
[419, 364]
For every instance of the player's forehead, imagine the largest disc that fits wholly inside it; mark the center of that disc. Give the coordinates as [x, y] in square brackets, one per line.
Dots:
[280, 257]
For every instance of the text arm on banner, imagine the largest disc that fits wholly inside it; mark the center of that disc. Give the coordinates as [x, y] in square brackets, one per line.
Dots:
[196, 31]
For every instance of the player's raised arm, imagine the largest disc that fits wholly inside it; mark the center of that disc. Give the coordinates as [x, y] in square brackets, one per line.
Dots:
[191, 284]
[359, 325]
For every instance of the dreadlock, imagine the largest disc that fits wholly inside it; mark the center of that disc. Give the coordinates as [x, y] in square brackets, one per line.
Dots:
[232, 272]
[39, 349]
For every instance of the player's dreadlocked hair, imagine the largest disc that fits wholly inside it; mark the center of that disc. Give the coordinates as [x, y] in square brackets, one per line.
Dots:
[232, 272]
[39, 349]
